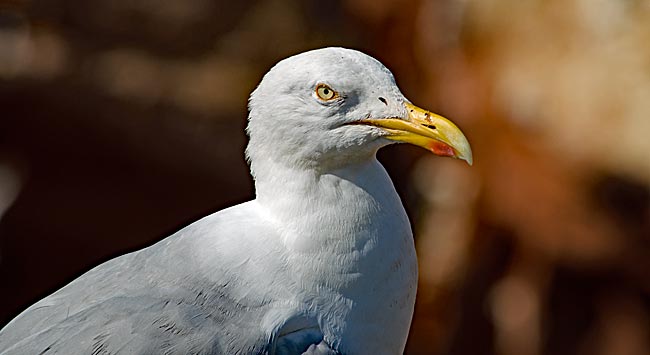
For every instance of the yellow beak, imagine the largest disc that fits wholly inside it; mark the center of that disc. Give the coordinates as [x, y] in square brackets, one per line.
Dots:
[427, 130]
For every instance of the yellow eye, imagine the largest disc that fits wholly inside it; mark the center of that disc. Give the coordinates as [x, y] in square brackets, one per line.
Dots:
[325, 93]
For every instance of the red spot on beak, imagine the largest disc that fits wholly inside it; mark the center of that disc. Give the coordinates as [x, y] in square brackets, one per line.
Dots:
[442, 149]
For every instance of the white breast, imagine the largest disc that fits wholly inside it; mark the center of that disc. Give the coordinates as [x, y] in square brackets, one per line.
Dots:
[350, 257]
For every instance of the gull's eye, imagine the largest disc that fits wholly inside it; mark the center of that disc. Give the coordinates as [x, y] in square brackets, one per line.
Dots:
[325, 92]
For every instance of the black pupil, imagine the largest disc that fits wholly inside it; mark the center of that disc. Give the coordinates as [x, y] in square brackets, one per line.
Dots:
[326, 92]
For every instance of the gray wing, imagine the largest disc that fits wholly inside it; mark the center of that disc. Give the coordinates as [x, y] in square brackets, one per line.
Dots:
[161, 300]
[144, 322]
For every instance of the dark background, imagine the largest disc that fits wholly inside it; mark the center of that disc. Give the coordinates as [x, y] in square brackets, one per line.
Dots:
[122, 121]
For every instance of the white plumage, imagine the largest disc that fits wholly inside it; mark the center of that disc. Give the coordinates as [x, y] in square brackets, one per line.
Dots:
[321, 262]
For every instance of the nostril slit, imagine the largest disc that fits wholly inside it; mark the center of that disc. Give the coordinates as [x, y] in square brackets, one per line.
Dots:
[383, 100]
[430, 126]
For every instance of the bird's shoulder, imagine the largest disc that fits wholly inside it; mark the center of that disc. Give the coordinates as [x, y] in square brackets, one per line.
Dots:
[181, 290]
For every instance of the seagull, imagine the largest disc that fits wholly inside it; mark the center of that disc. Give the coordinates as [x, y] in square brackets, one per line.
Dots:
[322, 261]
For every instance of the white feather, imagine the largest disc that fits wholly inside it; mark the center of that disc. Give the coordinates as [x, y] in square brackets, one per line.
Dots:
[321, 262]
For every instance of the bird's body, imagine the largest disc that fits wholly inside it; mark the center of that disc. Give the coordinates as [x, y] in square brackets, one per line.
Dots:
[170, 297]
[321, 262]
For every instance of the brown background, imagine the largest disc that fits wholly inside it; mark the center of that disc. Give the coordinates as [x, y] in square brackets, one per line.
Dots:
[122, 121]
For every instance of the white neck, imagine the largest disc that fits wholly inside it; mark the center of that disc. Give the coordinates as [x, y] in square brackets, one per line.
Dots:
[307, 200]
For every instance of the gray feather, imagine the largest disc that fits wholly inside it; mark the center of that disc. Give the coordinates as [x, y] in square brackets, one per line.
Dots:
[154, 301]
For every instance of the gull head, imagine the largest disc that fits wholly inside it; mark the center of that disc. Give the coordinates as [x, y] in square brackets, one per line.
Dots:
[330, 107]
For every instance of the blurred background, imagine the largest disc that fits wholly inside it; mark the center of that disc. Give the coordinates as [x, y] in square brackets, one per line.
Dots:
[121, 121]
